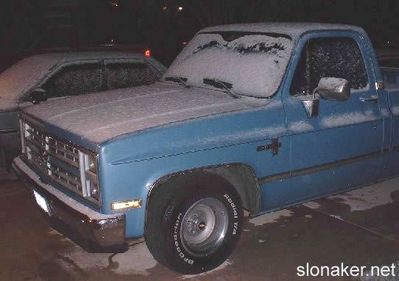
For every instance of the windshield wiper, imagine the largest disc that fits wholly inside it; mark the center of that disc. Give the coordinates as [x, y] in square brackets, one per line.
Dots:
[178, 79]
[221, 85]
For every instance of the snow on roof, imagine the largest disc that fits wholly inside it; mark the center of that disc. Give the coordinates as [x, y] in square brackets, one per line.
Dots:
[290, 28]
[71, 56]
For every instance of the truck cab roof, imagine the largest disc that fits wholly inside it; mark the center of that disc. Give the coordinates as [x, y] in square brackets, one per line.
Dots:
[293, 29]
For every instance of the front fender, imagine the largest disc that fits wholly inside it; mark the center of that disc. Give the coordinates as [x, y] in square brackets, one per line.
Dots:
[135, 180]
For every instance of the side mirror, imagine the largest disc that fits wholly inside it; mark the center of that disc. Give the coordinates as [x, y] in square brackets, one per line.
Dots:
[329, 88]
[38, 95]
[335, 89]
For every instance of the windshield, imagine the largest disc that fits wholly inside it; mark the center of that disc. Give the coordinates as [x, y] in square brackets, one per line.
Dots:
[253, 63]
[23, 75]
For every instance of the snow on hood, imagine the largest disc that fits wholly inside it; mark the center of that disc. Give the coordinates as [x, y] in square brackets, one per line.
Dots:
[22, 76]
[99, 117]
[253, 63]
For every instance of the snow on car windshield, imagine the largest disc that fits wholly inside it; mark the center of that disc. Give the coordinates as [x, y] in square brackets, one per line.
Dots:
[21, 76]
[252, 64]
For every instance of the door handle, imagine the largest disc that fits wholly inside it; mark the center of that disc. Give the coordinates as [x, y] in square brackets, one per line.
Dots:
[373, 99]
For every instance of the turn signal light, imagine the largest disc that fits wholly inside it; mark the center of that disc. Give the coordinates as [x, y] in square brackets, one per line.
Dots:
[126, 204]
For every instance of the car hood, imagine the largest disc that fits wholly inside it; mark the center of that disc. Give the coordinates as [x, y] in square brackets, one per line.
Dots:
[100, 117]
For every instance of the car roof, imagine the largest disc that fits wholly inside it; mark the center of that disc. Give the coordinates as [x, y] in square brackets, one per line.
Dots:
[293, 29]
[65, 57]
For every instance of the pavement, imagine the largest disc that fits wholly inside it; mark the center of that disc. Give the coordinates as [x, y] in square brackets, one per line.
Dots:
[357, 228]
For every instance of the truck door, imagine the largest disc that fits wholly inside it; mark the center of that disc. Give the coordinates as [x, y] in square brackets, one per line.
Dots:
[341, 147]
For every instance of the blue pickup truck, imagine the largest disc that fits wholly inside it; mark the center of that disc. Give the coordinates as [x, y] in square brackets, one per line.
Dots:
[252, 117]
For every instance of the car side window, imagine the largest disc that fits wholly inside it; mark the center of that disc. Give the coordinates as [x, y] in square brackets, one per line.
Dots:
[123, 75]
[74, 80]
[338, 57]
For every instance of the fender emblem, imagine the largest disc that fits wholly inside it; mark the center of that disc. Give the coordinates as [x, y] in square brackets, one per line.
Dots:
[274, 146]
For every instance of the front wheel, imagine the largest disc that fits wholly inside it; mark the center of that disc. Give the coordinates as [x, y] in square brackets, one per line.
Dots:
[195, 227]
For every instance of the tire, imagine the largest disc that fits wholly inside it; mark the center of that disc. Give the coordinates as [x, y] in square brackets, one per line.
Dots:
[193, 224]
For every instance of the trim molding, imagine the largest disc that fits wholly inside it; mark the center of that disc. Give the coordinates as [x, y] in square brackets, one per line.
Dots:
[322, 167]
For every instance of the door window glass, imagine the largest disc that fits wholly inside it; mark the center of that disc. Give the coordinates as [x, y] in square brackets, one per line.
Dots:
[329, 57]
[123, 75]
[74, 80]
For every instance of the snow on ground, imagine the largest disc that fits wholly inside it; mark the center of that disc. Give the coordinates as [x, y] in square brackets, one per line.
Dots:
[270, 217]
[85, 260]
[137, 260]
[369, 196]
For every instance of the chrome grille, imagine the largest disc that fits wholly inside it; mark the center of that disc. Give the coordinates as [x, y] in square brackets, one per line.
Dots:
[63, 151]
[61, 161]
[65, 178]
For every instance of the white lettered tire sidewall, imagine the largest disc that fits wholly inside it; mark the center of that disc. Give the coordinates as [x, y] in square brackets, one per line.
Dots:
[179, 256]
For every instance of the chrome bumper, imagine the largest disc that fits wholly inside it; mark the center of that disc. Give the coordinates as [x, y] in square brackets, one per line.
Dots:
[93, 231]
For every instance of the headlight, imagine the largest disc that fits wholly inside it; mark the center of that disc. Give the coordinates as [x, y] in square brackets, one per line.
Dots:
[94, 191]
[92, 163]
[88, 175]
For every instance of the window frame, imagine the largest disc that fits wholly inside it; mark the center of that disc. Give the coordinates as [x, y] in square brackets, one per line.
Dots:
[60, 67]
[350, 40]
[361, 40]
[106, 62]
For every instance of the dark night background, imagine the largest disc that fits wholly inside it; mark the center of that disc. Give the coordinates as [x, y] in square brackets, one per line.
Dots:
[28, 26]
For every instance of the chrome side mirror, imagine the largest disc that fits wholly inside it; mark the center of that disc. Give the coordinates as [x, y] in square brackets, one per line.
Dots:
[335, 89]
[329, 88]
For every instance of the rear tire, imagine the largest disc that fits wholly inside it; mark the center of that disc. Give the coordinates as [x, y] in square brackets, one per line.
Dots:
[193, 225]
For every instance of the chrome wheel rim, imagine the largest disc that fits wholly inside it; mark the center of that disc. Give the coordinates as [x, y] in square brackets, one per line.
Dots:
[204, 227]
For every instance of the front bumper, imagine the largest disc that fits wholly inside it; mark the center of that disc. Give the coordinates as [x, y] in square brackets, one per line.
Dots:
[92, 230]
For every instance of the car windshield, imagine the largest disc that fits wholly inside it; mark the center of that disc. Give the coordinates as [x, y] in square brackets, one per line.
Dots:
[23, 75]
[253, 63]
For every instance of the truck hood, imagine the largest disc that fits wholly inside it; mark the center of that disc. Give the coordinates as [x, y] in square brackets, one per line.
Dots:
[100, 117]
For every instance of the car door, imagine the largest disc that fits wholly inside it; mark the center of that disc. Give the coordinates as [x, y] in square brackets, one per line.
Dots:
[74, 79]
[123, 73]
[341, 147]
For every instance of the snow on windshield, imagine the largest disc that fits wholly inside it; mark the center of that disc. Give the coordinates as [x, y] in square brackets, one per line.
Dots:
[253, 63]
[22, 76]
